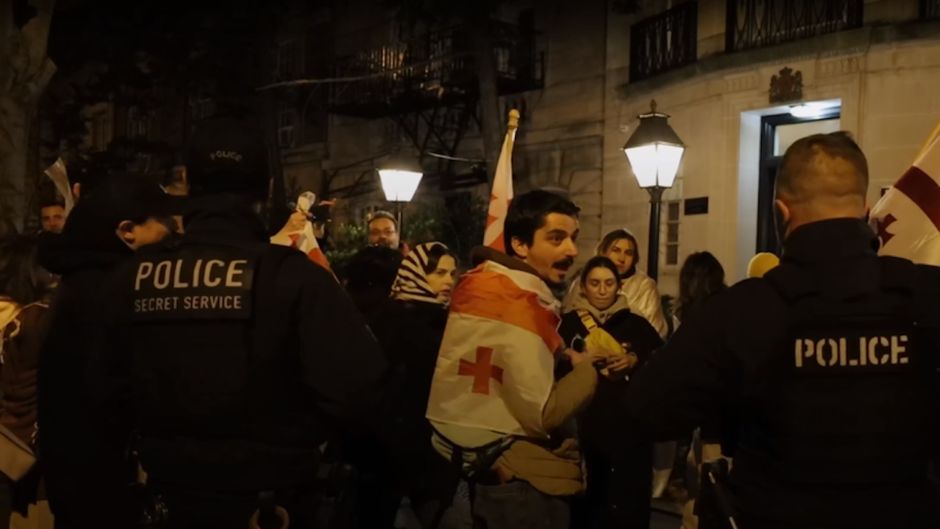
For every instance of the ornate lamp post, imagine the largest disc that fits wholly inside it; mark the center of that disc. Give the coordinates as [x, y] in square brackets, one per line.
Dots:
[400, 177]
[654, 152]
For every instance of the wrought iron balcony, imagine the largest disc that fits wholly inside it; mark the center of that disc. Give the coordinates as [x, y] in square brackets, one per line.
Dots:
[757, 23]
[431, 69]
[664, 41]
[929, 9]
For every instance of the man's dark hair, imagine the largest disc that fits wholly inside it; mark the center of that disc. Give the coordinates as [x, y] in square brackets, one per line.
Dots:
[50, 202]
[527, 213]
[798, 180]
[382, 214]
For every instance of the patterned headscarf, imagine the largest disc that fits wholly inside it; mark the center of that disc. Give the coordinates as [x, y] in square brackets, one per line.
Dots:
[411, 283]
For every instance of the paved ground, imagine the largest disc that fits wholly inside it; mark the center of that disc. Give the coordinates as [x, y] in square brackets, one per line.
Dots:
[664, 521]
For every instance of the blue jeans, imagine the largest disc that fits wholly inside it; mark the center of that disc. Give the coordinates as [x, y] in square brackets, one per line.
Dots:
[514, 505]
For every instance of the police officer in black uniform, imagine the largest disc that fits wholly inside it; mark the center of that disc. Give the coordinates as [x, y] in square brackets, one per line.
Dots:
[823, 372]
[244, 355]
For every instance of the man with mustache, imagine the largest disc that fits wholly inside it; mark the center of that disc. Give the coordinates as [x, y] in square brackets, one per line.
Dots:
[495, 407]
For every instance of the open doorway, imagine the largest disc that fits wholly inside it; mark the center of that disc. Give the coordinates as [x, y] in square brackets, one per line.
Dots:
[778, 132]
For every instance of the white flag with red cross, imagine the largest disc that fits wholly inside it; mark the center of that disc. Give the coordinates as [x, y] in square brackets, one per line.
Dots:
[501, 193]
[303, 237]
[907, 218]
[495, 368]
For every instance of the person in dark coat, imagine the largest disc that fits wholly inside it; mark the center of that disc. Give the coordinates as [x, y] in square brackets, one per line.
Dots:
[245, 357]
[82, 442]
[23, 322]
[409, 326]
[618, 460]
[823, 372]
[368, 277]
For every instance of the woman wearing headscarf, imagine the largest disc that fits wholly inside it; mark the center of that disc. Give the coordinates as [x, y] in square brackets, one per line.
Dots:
[618, 459]
[409, 326]
[638, 288]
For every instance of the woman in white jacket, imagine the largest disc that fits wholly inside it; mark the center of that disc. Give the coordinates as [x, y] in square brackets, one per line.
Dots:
[638, 288]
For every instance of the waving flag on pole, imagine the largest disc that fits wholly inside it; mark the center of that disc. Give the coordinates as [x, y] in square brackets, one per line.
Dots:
[495, 368]
[501, 194]
[59, 176]
[303, 239]
[907, 218]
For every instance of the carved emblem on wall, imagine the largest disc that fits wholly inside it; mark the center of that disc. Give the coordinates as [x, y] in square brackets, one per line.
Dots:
[786, 86]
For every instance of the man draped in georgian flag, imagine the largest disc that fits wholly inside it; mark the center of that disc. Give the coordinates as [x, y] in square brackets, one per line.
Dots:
[298, 232]
[501, 193]
[495, 369]
[494, 401]
[907, 218]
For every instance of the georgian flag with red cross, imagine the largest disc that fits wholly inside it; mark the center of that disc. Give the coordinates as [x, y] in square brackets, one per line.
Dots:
[907, 218]
[304, 239]
[495, 367]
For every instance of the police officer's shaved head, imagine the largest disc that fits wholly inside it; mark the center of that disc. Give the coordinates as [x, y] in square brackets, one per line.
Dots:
[823, 166]
[822, 176]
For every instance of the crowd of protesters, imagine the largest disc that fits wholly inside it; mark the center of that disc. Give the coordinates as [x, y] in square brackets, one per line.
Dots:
[64, 404]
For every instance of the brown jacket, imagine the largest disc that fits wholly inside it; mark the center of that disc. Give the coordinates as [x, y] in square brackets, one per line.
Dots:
[19, 357]
[555, 471]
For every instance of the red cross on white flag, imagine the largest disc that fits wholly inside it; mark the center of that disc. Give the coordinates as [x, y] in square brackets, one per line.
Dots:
[515, 315]
[482, 370]
[907, 218]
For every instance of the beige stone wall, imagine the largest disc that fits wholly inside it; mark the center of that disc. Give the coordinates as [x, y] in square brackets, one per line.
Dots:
[890, 96]
[560, 142]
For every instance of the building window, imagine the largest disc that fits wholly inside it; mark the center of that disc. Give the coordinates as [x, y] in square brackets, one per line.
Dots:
[286, 123]
[756, 23]
[100, 122]
[290, 60]
[672, 232]
[929, 9]
[202, 107]
[138, 123]
[664, 41]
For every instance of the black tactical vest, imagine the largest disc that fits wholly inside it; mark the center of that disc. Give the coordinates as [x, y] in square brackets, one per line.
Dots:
[217, 382]
[846, 401]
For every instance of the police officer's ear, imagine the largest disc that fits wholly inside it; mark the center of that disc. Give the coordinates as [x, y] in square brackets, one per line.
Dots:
[519, 248]
[784, 211]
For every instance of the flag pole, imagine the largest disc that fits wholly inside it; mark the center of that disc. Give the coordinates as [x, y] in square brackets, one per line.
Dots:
[514, 120]
[929, 142]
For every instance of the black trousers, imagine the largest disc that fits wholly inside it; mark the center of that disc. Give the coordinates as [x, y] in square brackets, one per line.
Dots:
[618, 491]
[189, 509]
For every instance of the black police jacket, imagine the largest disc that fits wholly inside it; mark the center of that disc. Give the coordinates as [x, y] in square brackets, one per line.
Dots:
[244, 356]
[825, 386]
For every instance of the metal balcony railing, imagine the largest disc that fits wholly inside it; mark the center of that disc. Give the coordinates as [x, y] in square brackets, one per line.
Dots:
[433, 65]
[758, 23]
[664, 41]
[929, 9]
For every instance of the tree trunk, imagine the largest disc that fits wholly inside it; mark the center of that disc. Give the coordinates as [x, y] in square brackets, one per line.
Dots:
[485, 61]
[25, 71]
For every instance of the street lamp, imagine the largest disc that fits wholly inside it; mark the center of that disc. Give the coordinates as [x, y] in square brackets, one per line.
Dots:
[400, 177]
[654, 152]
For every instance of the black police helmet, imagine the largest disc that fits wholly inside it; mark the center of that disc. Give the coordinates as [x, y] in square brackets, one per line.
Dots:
[227, 154]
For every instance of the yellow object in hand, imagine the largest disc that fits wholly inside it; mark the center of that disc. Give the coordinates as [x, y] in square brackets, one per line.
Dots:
[600, 340]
